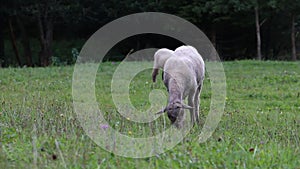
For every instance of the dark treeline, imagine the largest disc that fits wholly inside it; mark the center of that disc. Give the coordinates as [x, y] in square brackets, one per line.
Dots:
[45, 32]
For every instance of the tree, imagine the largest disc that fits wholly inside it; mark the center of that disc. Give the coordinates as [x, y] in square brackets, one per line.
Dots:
[44, 13]
[258, 36]
[238, 29]
[27, 54]
[255, 6]
[45, 25]
[207, 13]
[12, 14]
[292, 9]
[218, 12]
[2, 53]
[13, 41]
[293, 37]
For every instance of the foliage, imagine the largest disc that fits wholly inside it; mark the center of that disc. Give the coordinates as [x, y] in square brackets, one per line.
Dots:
[259, 129]
[229, 24]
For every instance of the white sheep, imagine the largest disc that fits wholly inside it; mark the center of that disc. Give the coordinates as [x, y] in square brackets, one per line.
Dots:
[183, 76]
[160, 58]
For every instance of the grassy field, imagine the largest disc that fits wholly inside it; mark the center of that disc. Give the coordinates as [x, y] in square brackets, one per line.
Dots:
[260, 127]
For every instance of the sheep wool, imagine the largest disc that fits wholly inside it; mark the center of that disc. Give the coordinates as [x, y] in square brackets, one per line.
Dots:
[184, 71]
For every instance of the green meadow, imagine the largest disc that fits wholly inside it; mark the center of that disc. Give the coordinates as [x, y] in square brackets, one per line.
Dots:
[260, 127]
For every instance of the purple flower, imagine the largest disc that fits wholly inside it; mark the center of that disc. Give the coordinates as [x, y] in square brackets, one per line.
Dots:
[104, 126]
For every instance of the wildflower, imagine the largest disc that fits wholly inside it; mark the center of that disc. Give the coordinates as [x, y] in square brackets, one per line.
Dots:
[129, 132]
[104, 126]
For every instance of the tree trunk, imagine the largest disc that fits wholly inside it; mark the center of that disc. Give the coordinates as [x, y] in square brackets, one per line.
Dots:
[25, 43]
[268, 39]
[46, 35]
[13, 42]
[259, 57]
[293, 39]
[2, 54]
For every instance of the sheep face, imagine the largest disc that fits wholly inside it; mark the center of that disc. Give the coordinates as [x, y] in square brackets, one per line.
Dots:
[173, 109]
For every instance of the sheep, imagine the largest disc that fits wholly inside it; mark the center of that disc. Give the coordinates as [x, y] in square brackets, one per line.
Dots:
[183, 77]
[160, 58]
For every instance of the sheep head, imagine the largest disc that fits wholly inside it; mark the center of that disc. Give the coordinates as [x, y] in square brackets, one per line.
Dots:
[173, 109]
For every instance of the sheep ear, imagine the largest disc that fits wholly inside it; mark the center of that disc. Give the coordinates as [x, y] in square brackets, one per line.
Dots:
[162, 111]
[187, 106]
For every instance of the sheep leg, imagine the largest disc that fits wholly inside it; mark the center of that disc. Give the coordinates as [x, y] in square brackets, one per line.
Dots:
[180, 120]
[191, 103]
[197, 103]
[154, 74]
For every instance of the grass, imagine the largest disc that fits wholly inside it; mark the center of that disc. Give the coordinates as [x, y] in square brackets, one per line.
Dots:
[260, 127]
